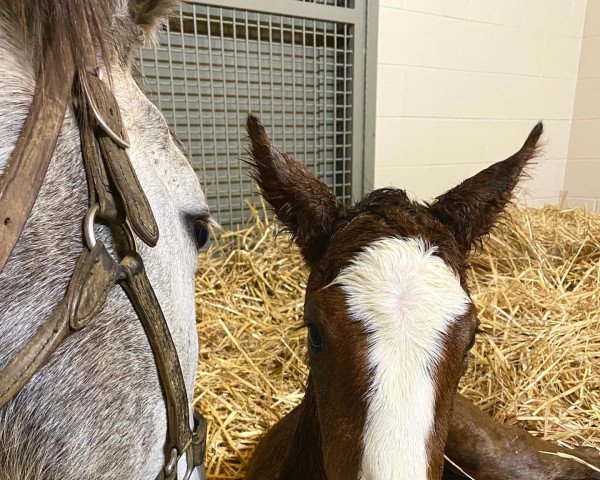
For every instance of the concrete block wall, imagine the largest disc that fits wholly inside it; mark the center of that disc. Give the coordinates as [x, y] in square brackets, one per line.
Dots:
[582, 179]
[460, 84]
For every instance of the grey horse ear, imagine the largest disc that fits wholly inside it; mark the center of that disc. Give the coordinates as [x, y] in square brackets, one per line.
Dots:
[149, 14]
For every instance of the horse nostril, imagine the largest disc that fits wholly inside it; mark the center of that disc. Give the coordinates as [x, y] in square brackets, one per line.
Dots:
[7, 221]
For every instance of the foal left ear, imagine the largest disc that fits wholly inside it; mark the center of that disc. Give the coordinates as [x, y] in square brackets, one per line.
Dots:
[303, 203]
[472, 208]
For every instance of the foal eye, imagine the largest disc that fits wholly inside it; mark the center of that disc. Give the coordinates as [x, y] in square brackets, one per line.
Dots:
[471, 344]
[314, 338]
[201, 233]
[473, 338]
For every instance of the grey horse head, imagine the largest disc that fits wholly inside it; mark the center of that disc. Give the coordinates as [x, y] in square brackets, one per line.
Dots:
[95, 410]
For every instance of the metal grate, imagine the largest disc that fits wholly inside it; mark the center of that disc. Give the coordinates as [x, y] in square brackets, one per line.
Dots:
[214, 65]
[333, 3]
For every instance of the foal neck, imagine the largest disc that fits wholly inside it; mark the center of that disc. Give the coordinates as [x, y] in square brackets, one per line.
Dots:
[305, 456]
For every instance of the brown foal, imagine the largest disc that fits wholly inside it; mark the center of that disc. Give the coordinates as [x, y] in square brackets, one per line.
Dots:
[390, 323]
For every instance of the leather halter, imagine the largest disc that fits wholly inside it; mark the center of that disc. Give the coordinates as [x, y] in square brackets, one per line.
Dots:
[117, 200]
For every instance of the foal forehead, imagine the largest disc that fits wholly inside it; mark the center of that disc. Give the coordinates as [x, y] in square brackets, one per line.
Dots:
[395, 265]
[402, 283]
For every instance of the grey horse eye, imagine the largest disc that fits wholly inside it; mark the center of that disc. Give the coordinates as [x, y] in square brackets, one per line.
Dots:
[201, 233]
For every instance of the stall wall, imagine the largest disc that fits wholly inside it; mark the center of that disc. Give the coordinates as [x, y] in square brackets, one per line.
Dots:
[461, 83]
[582, 181]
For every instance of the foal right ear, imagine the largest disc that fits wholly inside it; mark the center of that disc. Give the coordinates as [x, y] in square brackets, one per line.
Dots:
[304, 204]
[472, 208]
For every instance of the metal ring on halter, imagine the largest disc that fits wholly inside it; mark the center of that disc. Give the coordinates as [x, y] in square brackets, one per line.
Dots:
[121, 142]
[170, 468]
[189, 465]
[88, 226]
[174, 462]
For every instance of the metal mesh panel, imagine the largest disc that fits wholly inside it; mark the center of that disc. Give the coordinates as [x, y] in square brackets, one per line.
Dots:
[214, 65]
[333, 3]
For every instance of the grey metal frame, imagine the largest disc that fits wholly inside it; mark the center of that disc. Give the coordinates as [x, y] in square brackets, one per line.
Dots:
[369, 96]
[357, 125]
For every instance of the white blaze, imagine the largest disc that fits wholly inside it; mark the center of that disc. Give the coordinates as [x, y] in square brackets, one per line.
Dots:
[406, 298]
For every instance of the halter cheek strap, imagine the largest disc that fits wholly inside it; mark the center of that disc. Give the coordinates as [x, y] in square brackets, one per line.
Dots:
[21, 182]
[118, 201]
[94, 276]
[120, 179]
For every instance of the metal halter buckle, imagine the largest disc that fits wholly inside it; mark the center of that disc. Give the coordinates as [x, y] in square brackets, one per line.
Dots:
[88, 226]
[123, 141]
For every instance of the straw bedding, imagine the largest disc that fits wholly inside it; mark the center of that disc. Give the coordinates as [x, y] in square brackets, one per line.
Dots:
[536, 282]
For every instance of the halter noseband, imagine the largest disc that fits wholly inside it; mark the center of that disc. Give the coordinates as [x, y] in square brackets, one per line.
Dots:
[115, 198]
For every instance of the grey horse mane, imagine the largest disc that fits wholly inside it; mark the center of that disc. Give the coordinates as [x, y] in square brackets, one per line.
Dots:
[95, 410]
[91, 30]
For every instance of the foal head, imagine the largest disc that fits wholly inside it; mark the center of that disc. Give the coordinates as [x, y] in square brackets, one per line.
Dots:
[387, 308]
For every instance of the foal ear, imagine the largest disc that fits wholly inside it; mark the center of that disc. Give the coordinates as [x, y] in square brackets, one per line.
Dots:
[472, 208]
[149, 14]
[304, 204]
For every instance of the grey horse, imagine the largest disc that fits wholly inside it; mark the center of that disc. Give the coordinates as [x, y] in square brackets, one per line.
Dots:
[95, 410]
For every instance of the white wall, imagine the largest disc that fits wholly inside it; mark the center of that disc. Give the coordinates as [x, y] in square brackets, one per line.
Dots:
[461, 82]
[582, 180]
